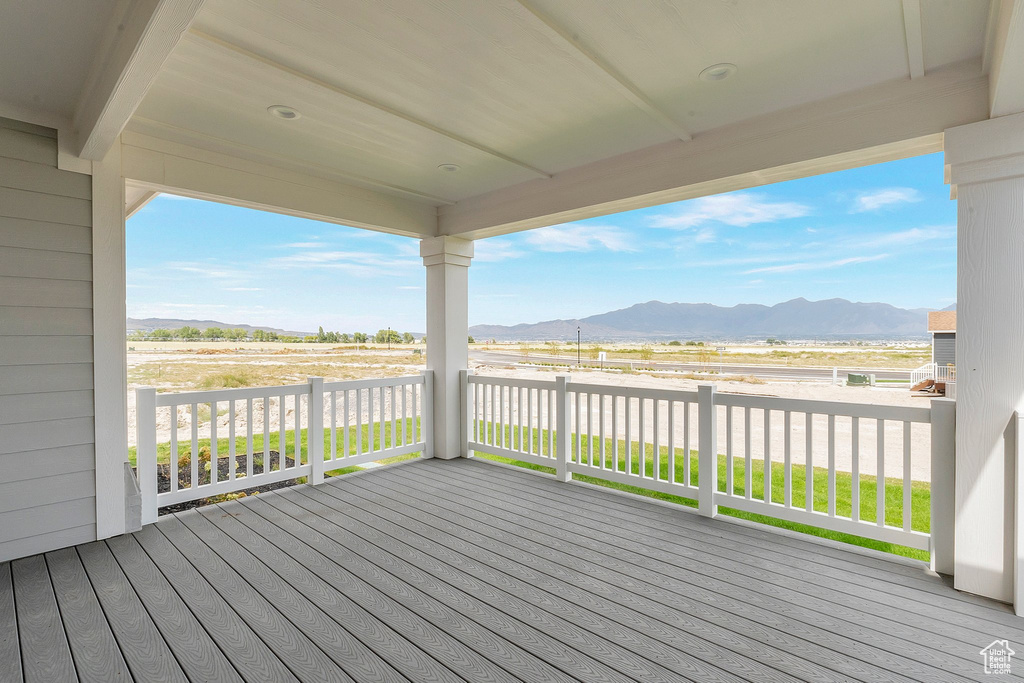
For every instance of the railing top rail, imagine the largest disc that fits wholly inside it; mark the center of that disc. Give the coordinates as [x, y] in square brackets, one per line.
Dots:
[634, 392]
[513, 382]
[801, 405]
[373, 383]
[185, 397]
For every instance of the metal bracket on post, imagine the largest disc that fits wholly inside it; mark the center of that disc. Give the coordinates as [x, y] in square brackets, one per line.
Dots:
[145, 450]
[464, 398]
[315, 430]
[563, 429]
[943, 488]
[707, 453]
[427, 413]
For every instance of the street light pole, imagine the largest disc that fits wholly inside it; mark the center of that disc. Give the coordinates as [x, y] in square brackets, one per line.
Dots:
[389, 337]
[577, 345]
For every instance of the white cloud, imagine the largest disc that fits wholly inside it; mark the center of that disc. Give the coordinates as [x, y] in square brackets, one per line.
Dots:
[816, 265]
[906, 237]
[705, 236]
[243, 289]
[178, 197]
[579, 237]
[303, 245]
[873, 201]
[739, 210]
[356, 263]
[409, 287]
[493, 250]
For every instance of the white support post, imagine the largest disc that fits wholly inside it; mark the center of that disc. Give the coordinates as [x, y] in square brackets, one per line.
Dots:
[943, 489]
[145, 450]
[447, 262]
[464, 395]
[315, 430]
[707, 450]
[110, 355]
[985, 166]
[563, 428]
[1018, 532]
[427, 414]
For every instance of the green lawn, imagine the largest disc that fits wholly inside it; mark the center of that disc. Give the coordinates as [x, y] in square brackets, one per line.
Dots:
[920, 495]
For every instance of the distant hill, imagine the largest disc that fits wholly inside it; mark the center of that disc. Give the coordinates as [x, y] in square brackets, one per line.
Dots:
[798, 318]
[150, 324]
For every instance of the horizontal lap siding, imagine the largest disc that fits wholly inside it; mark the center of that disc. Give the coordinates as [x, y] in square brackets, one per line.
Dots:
[47, 440]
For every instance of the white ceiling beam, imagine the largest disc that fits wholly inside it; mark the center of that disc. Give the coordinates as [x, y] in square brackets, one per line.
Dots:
[159, 129]
[164, 166]
[913, 33]
[894, 120]
[129, 60]
[1005, 58]
[339, 91]
[607, 72]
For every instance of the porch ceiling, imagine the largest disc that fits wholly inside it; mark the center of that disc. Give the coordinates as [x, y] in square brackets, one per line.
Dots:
[518, 93]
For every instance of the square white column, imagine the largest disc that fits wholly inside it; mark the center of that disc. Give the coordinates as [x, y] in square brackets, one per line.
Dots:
[985, 166]
[447, 262]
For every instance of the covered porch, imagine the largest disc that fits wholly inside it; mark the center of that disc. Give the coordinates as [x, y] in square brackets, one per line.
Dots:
[463, 570]
[448, 123]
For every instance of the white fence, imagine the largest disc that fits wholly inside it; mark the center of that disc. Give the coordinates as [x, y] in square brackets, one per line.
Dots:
[769, 449]
[939, 373]
[365, 420]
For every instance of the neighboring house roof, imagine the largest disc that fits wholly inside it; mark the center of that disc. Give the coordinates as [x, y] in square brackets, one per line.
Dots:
[942, 321]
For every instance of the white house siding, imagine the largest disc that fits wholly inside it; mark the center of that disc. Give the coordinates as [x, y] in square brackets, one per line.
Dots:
[47, 453]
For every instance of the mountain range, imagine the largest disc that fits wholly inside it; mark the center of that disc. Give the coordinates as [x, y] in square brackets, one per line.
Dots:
[656, 320]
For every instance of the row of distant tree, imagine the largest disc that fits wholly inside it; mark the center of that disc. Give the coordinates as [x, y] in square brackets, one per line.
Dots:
[188, 333]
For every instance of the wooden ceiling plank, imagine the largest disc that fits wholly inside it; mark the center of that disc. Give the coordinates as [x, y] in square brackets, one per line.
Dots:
[337, 90]
[913, 32]
[609, 74]
[126, 67]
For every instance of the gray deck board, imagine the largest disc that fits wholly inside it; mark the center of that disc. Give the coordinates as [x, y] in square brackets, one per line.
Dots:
[917, 605]
[93, 648]
[45, 655]
[464, 571]
[726, 589]
[145, 651]
[741, 625]
[300, 655]
[388, 575]
[252, 658]
[197, 654]
[348, 652]
[424, 635]
[10, 648]
[651, 620]
[387, 643]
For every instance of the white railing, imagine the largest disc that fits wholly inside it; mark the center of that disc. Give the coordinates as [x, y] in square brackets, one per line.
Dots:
[939, 373]
[769, 451]
[234, 430]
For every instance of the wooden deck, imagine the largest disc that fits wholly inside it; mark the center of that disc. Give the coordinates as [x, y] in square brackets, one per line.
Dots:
[460, 570]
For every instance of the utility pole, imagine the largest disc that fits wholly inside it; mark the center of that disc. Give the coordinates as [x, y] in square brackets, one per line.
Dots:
[389, 337]
[577, 345]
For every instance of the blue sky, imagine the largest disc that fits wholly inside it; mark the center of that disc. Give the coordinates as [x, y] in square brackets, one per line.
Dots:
[880, 233]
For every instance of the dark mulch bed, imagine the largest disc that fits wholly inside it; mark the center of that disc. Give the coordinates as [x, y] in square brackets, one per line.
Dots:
[163, 477]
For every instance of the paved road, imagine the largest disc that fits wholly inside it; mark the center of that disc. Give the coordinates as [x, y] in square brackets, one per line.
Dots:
[761, 371]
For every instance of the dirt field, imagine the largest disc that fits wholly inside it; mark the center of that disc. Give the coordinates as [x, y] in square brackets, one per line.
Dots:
[182, 366]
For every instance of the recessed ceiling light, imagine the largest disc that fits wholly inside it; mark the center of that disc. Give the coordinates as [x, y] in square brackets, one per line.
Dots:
[283, 112]
[718, 72]
[448, 168]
